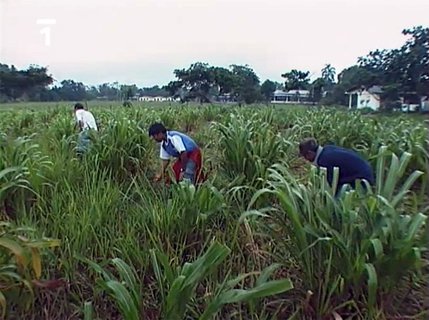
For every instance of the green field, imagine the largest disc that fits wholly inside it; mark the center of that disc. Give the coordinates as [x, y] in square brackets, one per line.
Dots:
[263, 238]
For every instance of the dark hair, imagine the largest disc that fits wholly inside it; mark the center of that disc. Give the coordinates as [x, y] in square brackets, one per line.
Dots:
[78, 106]
[156, 128]
[309, 144]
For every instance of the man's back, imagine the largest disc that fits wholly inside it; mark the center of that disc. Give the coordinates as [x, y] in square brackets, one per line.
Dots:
[87, 119]
[187, 141]
[351, 165]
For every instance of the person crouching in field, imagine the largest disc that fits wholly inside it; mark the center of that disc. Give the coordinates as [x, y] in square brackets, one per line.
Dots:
[351, 165]
[188, 165]
[85, 122]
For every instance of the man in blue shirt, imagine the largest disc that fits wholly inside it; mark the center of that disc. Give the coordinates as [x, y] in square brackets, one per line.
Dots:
[350, 164]
[180, 146]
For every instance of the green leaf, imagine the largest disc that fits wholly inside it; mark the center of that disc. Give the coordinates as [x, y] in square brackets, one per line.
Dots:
[123, 300]
[97, 268]
[176, 301]
[49, 243]
[37, 262]
[17, 250]
[210, 260]
[240, 295]
[87, 311]
[372, 285]
[377, 247]
[3, 305]
[266, 273]
[129, 277]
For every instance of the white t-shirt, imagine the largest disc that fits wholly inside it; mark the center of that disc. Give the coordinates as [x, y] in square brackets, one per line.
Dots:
[177, 143]
[87, 119]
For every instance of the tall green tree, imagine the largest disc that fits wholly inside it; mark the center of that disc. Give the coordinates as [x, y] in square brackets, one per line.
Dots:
[296, 80]
[405, 70]
[328, 73]
[128, 91]
[193, 83]
[267, 89]
[350, 78]
[224, 79]
[27, 83]
[109, 91]
[317, 89]
[92, 92]
[246, 84]
[153, 91]
[71, 90]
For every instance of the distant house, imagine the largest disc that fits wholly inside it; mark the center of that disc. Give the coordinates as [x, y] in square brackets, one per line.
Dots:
[156, 98]
[225, 98]
[412, 102]
[362, 97]
[291, 96]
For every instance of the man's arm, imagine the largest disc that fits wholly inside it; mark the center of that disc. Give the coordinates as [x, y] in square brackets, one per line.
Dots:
[165, 160]
[328, 163]
[164, 166]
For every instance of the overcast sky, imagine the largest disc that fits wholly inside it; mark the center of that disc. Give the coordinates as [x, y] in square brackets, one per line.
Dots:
[142, 42]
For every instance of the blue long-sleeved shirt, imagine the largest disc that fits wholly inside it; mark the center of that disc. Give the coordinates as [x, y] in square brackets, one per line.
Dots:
[351, 165]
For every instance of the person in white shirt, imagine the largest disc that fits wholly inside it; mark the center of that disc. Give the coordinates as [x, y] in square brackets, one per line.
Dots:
[86, 123]
[84, 119]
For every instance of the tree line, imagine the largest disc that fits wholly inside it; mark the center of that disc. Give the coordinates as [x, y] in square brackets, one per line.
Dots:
[402, 72]
[35, 84]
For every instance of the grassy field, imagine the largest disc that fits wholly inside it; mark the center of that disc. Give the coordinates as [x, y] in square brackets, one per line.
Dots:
[263, 238]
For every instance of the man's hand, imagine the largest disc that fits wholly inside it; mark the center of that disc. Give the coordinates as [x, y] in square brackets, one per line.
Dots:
[182, 173]
[157, 178]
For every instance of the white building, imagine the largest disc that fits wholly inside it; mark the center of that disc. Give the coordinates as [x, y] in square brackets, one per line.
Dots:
[365, 98]
[291, 96]
[157, 98]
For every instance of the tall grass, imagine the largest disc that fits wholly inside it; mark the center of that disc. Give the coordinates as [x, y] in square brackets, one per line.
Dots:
[134, 249]
[355, 248]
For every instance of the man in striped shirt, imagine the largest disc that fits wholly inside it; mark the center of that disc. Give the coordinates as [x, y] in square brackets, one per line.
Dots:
[174, 144]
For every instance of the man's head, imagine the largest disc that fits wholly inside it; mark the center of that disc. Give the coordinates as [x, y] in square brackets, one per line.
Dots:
[78, 106]
[158, 132]
[308, 149]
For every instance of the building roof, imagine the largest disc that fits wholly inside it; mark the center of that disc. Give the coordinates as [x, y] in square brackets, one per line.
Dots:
[373, 89]
[281, 93]
[300, 92]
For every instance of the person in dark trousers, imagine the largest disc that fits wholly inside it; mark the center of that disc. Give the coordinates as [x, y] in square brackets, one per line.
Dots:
[188, 165]
[351, 165]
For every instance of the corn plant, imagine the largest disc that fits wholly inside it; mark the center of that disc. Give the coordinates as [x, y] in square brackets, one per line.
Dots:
[345, 255]
[226, 293]
[124, 290]
[248, 147]
[175, 217]
[120, 148]
[20, 264]
[182, 283]
[24, 168]
[347, 245]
